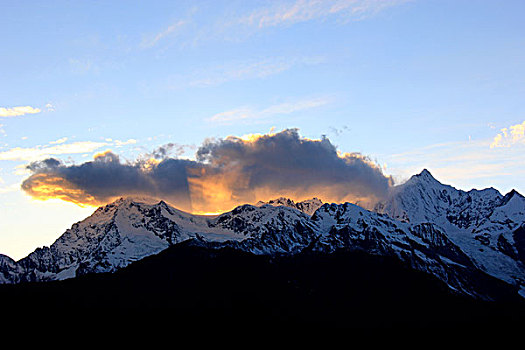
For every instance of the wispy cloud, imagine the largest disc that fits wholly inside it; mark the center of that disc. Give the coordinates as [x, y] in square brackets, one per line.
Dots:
[119, 143]
[514, 134]
[171, 30]
[250, 114]
[461, 163]
[38, 152]
[59, 141]
[290, 12]
[236, 24]
[18, 111]
[60, 147]
[82, 65]
[250, 69]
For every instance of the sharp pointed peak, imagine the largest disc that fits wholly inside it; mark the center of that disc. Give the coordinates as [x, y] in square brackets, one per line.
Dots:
[424, 175]
[513, 193]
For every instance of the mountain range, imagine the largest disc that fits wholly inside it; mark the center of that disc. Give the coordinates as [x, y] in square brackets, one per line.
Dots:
[473, 242]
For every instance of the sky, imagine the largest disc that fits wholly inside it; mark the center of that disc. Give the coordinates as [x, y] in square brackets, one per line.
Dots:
[380, 88]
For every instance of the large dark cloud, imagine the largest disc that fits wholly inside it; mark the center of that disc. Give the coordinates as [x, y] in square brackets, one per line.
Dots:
[106, 177]
[226, 172]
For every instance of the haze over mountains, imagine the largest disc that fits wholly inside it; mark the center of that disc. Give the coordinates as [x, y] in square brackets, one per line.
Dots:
[473, 241]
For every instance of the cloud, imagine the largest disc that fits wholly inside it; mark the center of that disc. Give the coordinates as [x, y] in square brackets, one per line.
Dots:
[59, 147]
[291, 12]
[465, 164]
[165, 151]
[119, 143]
[227, 172]
[168, 31]
[18, 111]
[105, 178]
[81, 66]
[250, 114]
[339, 131]
[39, 152]
[513, 135]
[237, 71]
[250, 69]
[59, 141]
[236, 23]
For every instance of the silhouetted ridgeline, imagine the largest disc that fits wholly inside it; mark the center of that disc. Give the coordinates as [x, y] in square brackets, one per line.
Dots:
[197, 285]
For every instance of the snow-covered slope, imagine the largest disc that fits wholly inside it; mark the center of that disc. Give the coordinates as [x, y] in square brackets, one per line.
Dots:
[424, 199]
[423, 246]
[130, 229]
[459, 237]
[483, 223]
[112, 237]
[308, 206]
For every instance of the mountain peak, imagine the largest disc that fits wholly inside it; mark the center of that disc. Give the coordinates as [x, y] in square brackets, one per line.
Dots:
[307, 206]
[137, 199]
[512, 194]
[424, 176]
[278, 201]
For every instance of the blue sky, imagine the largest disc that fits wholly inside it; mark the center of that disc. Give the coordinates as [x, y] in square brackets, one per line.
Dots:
[411, 84]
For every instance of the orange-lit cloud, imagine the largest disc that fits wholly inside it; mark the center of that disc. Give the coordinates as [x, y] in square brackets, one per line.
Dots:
[47, 186]
[226, 173]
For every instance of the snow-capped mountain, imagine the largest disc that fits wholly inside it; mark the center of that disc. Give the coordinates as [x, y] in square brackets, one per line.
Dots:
[8, 268]
[308, 206]
[485, 225]
[459, 237]
[424, 199]
[132, 228]
[112, 237]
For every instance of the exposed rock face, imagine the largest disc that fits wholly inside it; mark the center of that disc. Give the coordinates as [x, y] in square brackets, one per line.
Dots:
[308, 206]
[454, 235]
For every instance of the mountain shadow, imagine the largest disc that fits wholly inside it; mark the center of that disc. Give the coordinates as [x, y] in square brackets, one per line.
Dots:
[196, 285]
